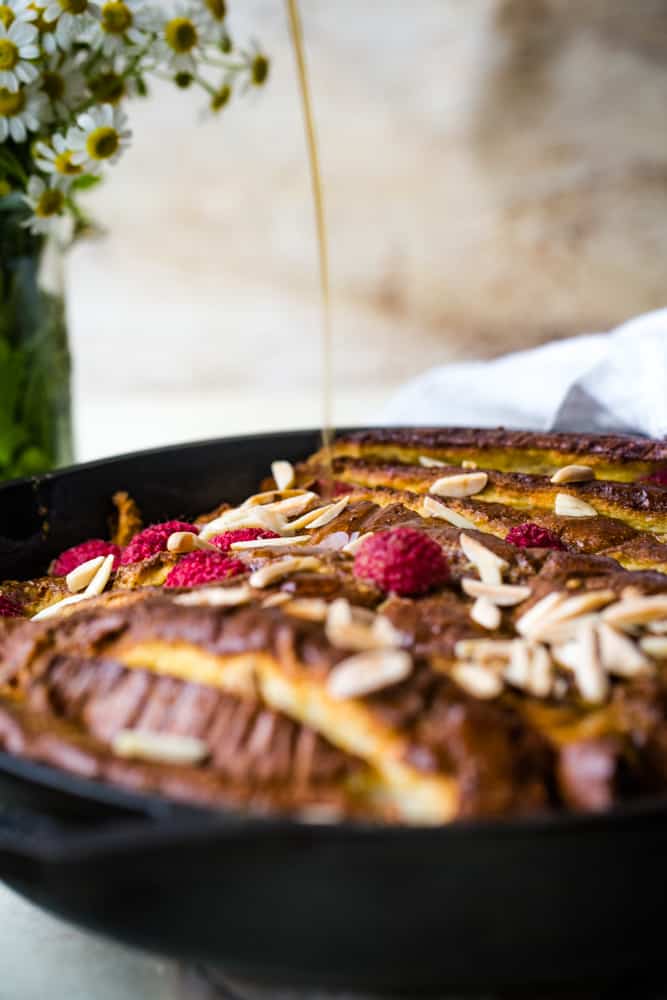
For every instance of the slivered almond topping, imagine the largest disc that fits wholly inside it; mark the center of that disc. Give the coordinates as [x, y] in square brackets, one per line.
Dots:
[101, 578]
[589, 673]
[658, 628]
[568, 506]
[335, 542]
[245, 517]
[355, 544]
[80, 577]
[278, 570]
[320, 516]
[367, 672]
[655, 646]
[54, 609]
[163, 748]
[312, 609]
[431, 463]
[269, 497]
[187, 541]
[464, 484]
[269, 543]
[275, 600]
[619, 655]
[477, 680]
[291, 506]
[483, 650]
[504, 595]
[433, 508]
[573, 474]
[283, 474]
[531, 619]
[517, 671]
[217, 597]
[563, 610]
[636, 611]
[467, 464]
[541, 673]
[485, 613]
[489, 565]
[560, 632]
[348, 627]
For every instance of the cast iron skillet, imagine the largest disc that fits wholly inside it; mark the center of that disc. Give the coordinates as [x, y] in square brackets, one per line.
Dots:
[544, 902]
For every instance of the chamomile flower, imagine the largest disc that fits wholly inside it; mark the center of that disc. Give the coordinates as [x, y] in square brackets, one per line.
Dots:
[182, 37]
[17, 48]
[16, 10]
[101, 134]
[21, 111]
[47, 203]
[71, 18]
[60, 160]
[64, 85]
[122, 23]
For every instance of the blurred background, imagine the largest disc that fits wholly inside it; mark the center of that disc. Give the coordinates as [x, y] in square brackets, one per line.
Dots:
[496, 176]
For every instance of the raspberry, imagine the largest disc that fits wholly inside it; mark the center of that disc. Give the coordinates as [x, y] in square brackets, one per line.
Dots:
[71, 558]
[532, 536]
[10, 608]
[403, 560]
[153, 539]
[227, 538]
[203, 567]
[332, 487]
[657, 478]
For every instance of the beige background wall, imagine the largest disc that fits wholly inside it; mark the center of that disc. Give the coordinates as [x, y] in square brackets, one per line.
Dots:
[496, 175]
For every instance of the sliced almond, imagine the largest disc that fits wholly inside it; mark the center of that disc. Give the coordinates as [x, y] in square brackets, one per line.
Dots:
[291, 506]
[278, 570]
[355, 544]
[217, 597]
[589, 672]
[269, 543]
[101, 578]
[573, 474]
[433, 508]
[335, 542]
[312, 609]
[489, 565]
[619, 655]
[187, 541]
[367, 672]
[275, 600]
[321, 517]
[163, 748]
[517, 671]
[485, 613]
[497, 650]
[54, 609]
[478, 681]
[655, 646]
[504, 595]
[245, 517]
[81, 576]
[568, 506]
[563, 610]
[463, 484]
[283, 474]
[431, 463]
[636, 611]
[348, 627]
[269, 497]
[541, 673]
[531, 619]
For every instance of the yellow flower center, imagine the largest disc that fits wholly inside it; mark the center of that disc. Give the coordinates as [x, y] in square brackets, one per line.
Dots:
[181, 34]
[221, 97]
[63, 164]
[39, 22]
[116, 18]
[53, 84]
[103, 142]
[6, 15]
[74, 6]
[50, 203]
[11, 104]
[217, 8]
[9, 54]
[109, 88]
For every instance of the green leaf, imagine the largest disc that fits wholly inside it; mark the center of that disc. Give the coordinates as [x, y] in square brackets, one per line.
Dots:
[85, 182]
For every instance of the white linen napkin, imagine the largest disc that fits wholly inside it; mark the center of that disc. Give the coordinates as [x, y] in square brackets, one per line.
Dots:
[604, 382]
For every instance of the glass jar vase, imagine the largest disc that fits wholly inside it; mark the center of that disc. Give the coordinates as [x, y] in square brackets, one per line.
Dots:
[35, 396]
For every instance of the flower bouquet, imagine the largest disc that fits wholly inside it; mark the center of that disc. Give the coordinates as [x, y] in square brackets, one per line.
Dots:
[67, 69]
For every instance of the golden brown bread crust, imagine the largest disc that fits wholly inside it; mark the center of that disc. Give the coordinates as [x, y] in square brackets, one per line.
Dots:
[423, 749]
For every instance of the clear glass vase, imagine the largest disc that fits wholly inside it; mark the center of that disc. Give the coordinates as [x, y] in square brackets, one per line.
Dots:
[35, 398]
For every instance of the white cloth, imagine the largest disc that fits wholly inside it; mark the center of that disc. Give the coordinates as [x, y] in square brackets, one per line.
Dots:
[613, 381]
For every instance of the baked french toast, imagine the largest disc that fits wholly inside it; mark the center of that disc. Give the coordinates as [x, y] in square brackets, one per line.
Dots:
[412, 626]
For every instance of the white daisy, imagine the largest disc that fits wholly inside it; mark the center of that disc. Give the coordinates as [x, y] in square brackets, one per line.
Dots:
[122, 23]
[182, 37]
[16, 10]
[100, 133]
[60, 160]
[72, 19]
[64, 84]
[17, 48]
[47, 204]
[21, 111]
